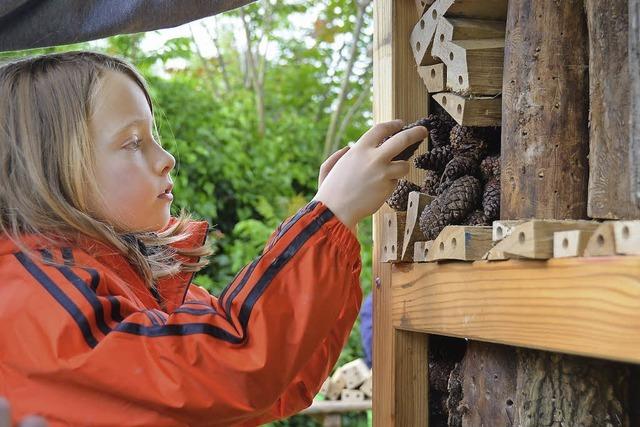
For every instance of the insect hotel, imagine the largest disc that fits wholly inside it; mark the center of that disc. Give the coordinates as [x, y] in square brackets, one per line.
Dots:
[507, 263]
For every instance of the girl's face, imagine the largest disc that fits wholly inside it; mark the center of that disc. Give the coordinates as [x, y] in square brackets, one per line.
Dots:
[132, 168]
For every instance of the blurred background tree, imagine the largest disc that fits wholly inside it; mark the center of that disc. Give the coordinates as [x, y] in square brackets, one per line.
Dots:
[250, 103]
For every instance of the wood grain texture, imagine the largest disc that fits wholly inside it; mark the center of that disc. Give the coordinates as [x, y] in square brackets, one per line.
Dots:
[481, 9]
[545, 111]
[570, 243]
[534, 239]
[586, 306]
[398, 92]
[411, 231]
[634, 72]
[393, 226]
[476, 111]
[460, 242]
[610, 195]
[475, 67]
[602, 241]
[433, 77]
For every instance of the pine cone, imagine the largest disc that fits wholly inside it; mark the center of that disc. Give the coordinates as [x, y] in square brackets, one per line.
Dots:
[474, 148]
[491, 199]
[439, 126]
[477, 218]
[430, 183]
[460, 166]
[490, 168]
[443, 186]
[460, 135]
[450, 207]
[400, 196]
[433, 219]
[436, 159]
[463, 196]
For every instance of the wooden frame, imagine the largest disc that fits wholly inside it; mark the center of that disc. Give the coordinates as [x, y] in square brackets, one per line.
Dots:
[555, 303]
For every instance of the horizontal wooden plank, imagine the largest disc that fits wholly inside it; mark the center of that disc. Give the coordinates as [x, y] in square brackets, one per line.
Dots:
[584, 306]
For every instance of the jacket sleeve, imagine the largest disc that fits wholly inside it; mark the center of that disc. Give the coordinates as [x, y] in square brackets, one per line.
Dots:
[260, 351]
[26, 24]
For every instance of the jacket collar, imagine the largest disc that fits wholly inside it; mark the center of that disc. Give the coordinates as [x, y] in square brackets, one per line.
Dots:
[172, 290]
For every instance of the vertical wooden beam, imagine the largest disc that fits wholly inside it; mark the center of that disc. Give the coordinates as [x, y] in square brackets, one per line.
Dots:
[634, 72]
[610, 195]
[545, 111]
[399, 394]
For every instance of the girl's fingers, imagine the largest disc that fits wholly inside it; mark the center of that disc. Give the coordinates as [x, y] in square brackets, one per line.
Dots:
[5, 413]
[397, 169]
[374, 136]
[402, 140]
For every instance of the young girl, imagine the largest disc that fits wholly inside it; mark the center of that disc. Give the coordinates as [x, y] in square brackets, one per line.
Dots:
[101, 324]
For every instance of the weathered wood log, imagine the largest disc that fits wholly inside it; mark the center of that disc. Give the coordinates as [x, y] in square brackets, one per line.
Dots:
[610, 195]
[556, 390]
[488, 386]
[545, 111]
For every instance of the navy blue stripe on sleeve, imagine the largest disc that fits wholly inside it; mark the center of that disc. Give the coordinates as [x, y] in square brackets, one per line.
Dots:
[62, 299]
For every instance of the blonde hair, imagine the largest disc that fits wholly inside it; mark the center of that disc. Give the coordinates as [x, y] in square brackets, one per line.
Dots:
[47, 163]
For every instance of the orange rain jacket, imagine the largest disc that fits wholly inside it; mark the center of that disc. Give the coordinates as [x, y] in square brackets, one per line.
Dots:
[86, 343]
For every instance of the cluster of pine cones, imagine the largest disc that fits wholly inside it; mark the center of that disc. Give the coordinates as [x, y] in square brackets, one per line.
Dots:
[460, 172]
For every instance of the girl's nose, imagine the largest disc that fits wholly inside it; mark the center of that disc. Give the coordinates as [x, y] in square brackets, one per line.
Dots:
[166, 163]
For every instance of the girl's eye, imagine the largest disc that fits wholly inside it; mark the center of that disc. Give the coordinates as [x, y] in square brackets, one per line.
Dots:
[135, 144]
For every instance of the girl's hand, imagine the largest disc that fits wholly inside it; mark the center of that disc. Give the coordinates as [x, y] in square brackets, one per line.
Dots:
[365, 176]
[30, 421]
[330, 163]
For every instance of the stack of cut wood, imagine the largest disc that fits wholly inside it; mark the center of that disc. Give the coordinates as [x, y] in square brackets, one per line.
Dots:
[518, 239]
[458, 46]
[351, 382]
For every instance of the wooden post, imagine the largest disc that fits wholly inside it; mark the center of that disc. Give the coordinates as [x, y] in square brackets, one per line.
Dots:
[545, 111]
[610, 195]
[400, 358]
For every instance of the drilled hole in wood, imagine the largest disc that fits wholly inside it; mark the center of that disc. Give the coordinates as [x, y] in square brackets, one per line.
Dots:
[442, 246]
[433, 73]
[408, 231]
[444, 100]
[434, 15]
[393, 248]
[385, 249]
[422, 24]
[410, 204]
[600, 240]
[565, 243]
[625, 232]
[460, 79]
[418, 46]
[442, 38]
[389, 223]
[421, 3]
[451, 56]
[459, 108]
[522, 237]
[499, 232]
[454, 243]
[509, 402]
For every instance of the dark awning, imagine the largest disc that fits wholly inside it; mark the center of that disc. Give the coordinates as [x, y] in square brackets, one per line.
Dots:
[38, 23]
